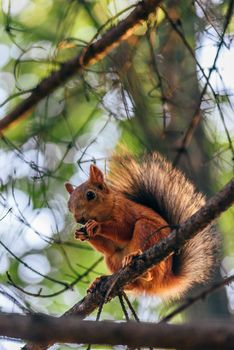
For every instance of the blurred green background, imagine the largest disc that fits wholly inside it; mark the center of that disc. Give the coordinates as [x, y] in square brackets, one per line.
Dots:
[143, 95]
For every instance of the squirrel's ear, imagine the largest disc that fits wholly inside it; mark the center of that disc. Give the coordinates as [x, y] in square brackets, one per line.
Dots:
[95, 174]
[69, 187]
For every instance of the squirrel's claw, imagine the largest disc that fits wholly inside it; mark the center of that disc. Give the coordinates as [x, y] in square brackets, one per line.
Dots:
[92, 227]
[81, 235]
[147, 276]
[128, 258]
[95, 284]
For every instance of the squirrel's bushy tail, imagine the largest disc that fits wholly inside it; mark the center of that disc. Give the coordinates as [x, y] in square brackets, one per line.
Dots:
[155, 183]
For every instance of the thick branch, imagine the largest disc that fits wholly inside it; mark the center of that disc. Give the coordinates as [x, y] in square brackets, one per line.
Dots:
[94, 52]
[114, 283]
[42, 328]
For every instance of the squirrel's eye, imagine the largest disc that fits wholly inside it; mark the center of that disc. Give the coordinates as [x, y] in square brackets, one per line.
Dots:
[90, 195]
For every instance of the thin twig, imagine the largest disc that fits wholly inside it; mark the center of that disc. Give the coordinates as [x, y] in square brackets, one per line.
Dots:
[200, 296]
[197, 114]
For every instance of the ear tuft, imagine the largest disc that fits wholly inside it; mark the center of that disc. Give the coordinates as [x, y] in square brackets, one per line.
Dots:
[69, 187]
[95, 174]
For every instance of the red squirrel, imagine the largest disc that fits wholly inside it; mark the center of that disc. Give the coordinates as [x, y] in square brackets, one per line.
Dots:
[134, 209]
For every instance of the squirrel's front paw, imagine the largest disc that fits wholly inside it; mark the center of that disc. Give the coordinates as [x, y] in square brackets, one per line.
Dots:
[128, 258]
[92, 228]
[81, 235]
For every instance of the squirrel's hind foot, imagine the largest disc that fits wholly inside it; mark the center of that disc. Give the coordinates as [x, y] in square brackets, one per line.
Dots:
[95, 284]
[128, 258]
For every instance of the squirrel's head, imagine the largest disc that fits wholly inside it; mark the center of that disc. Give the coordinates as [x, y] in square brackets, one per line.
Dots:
[92, 199]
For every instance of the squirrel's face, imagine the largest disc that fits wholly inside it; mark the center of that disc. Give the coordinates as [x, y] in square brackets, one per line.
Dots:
[92, 199]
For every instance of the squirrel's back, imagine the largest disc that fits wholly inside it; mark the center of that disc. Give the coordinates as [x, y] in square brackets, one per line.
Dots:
[155, 183]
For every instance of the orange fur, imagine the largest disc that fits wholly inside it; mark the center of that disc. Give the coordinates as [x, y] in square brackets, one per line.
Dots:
[119, 227]
[124, 227]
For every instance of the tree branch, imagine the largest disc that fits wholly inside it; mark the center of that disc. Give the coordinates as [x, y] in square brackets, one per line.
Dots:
[110, 286]
[197, 116]
[200, 296]
[43, 328]
[91, 54]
